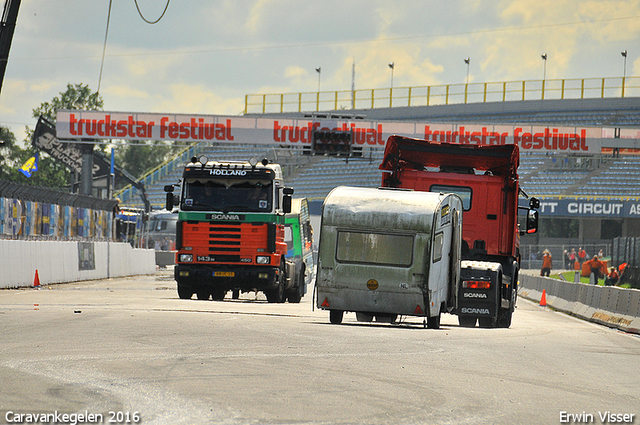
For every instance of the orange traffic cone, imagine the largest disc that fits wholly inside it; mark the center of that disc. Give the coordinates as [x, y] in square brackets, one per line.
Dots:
[36, 280]
[543, 299]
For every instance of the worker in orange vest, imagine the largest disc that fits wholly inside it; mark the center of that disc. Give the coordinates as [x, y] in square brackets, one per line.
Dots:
[546, 263]
[612, 279]
[596, 267]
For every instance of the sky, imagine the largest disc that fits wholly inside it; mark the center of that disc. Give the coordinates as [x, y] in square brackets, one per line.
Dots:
[204, 56]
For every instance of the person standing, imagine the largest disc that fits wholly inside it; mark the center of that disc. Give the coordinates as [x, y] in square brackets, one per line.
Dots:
[596, 267]
[572, 258]
[582, 255]
[546, 263]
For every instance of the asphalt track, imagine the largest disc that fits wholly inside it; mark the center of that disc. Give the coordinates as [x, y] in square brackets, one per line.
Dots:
[131, 346]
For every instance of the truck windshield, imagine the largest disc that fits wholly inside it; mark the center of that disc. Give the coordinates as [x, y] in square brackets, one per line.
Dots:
[227, 196]
[463, 192]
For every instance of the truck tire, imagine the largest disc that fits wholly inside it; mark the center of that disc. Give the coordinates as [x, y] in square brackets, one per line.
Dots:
[487, 322]
[185, 292]
[218, 294]
[276, 295]
[467, 322]
[295, 295]
[335, 316]
[504, 318]
[203, 294]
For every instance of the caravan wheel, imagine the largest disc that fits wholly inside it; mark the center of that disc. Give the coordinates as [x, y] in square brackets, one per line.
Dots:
[335, 316]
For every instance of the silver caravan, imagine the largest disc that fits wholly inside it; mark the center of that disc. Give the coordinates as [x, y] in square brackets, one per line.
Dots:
[388, 252]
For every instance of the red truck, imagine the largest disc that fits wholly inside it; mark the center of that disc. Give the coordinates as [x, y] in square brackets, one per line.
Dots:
[485, 178]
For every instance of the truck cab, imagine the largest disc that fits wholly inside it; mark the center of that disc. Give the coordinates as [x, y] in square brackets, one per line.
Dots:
[230, 230]
[485, 178]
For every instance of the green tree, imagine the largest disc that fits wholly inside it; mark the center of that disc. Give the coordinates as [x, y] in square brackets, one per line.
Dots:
[77, 96]
[7, 148]
[138, 157]
[51, 173]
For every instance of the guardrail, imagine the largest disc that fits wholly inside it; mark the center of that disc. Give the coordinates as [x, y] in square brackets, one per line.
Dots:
[607, 305]
[443, 94]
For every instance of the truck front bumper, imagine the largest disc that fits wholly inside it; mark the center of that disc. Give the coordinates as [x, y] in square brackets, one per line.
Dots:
[227, 277]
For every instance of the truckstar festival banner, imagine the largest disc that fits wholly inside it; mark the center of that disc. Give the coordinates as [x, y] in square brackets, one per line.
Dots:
[241, 130]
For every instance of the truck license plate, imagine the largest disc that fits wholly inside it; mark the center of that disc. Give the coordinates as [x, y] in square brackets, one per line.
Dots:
[224, 274]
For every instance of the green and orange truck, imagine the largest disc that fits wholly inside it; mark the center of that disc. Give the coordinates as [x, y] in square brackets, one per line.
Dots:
[230, 234]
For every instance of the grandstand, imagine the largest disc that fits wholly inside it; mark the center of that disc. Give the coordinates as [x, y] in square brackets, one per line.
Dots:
[563, 181]
[542, 175]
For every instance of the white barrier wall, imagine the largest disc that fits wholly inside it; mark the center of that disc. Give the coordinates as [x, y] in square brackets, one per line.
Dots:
[58, 261]
[607, 305]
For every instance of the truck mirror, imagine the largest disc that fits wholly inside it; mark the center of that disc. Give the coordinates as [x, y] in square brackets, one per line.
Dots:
[171, 201]
[532, 221]
[534, 203]
[168, 188]
[287, 191]
[286, 204]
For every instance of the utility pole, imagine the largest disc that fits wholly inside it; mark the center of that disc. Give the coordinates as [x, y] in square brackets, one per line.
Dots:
[7, 27]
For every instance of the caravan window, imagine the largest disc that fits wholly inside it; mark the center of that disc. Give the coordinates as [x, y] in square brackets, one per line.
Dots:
[374, 248]
[437, 247]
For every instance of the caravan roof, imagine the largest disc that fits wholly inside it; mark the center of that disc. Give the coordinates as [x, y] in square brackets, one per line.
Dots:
[368, 208]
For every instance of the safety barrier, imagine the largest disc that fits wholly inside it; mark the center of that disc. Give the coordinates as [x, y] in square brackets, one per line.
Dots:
[69, 261]
[607, 305]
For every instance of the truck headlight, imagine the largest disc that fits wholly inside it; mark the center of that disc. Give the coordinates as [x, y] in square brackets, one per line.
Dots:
[185, 258]
[263, 259]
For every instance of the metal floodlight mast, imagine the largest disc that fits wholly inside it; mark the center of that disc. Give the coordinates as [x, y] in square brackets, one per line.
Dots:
[319, 71]
[467, 61]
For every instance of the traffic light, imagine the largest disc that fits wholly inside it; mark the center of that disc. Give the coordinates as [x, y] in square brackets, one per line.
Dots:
[336, 143]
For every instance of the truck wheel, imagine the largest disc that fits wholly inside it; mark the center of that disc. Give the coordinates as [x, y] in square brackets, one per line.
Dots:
[185, 292]
[294, 296]
[504, 318]
[433, 322]
[236, 294]
[218, 294]
[277, 295]
[335, 316]
[487, 322]
[467, 322]
[203, 294]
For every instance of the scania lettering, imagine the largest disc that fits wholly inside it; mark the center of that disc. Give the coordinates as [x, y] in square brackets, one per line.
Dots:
[473, 295]
[485, 178]
[231, 232]
[475, 310]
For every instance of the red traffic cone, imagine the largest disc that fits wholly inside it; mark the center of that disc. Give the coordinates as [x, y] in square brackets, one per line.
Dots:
[543, 299]
[36, 280]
